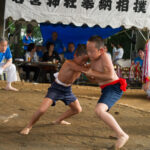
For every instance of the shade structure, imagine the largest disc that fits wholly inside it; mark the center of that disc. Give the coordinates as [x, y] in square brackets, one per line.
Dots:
[72, 33]
[114, 13]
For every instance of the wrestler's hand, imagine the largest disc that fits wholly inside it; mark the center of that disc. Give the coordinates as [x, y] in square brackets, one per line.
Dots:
[89, 72]
[85, 69]
[87, 66]
[1, 70]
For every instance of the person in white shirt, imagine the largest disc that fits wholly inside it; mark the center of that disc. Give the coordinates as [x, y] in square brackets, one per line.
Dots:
[113, 51]
[8, 67]
[119, 53]
[31, 56]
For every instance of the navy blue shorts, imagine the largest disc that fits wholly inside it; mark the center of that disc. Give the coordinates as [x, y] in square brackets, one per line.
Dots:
[58, 92]
[110, 95]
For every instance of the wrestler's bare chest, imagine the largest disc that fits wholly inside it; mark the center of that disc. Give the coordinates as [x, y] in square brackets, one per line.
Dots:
[97, 66]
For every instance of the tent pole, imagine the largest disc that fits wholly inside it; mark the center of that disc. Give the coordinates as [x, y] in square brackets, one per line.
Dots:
[4, 28]
[4, 20]
[148, 34]
[131, 44]
[142, 35]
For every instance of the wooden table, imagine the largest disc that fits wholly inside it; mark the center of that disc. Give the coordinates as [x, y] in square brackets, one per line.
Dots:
[43, 67]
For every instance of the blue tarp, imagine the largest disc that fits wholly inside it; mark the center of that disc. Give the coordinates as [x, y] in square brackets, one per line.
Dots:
[71, 33]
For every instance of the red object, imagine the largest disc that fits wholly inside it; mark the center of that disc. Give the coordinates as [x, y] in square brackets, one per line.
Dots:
[146, 80]
[123, 84]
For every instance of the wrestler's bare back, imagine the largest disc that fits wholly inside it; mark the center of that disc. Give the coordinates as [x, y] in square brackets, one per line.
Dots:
[100, 65]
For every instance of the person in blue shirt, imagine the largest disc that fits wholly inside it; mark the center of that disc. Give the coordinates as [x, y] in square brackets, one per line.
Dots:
[58, 45]
[39, 51]
[6, 64]
[140, 57]
[69, 54]
[27, 40]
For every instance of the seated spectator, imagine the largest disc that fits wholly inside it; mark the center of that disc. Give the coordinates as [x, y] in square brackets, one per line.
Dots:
[7, 66]
[140, 57]
[39, 51]
[58, 45]
[31, 56]
[69, 54]
[52, 56]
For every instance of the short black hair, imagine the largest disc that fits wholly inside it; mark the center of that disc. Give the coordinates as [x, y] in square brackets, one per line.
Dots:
[119, 44]
[54, 32]
[99, 42]
[81, 50]
[29, 31]
[140, 49]
[112, 43]
[71, 43]
[3, 39]
[31, 46]
[48, 44]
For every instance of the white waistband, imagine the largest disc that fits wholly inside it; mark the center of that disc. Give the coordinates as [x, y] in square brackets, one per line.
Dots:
[59, 82]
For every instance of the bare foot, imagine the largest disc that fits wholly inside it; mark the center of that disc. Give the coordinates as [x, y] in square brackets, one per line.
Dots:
[61, 122]
[11, 89]
[25, 131]
[121, 141]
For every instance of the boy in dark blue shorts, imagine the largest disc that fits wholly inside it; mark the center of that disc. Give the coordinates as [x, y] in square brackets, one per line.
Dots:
[102, 72]
[61, 89]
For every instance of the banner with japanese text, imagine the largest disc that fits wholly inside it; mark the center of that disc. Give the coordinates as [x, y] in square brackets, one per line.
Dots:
[114, 13]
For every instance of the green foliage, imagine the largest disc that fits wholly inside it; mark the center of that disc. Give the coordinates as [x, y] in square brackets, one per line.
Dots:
[11, 26]
[37, 34]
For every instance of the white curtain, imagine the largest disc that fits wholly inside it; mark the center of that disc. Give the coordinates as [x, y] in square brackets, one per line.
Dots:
[114, 13]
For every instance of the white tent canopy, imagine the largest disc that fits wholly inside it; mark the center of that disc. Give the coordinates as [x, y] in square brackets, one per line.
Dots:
[115, 13]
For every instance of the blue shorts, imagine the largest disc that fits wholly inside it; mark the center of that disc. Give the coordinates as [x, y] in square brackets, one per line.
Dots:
[58, 92]
[110, 95]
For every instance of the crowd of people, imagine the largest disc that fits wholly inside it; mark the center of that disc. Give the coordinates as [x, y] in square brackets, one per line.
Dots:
[52, 50]
[55, 44]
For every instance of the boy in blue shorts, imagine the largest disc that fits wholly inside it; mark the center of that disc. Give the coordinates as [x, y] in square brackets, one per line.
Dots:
[102, 72]
[61, 89]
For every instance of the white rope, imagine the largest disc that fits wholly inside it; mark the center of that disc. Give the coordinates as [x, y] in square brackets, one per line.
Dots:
[9, 26]
[142, 35]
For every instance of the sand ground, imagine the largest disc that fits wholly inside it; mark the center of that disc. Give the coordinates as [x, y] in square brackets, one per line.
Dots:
[87, 132]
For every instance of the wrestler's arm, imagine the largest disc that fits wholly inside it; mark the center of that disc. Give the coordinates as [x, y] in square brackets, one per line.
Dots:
[108, 72]
[76, 67]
